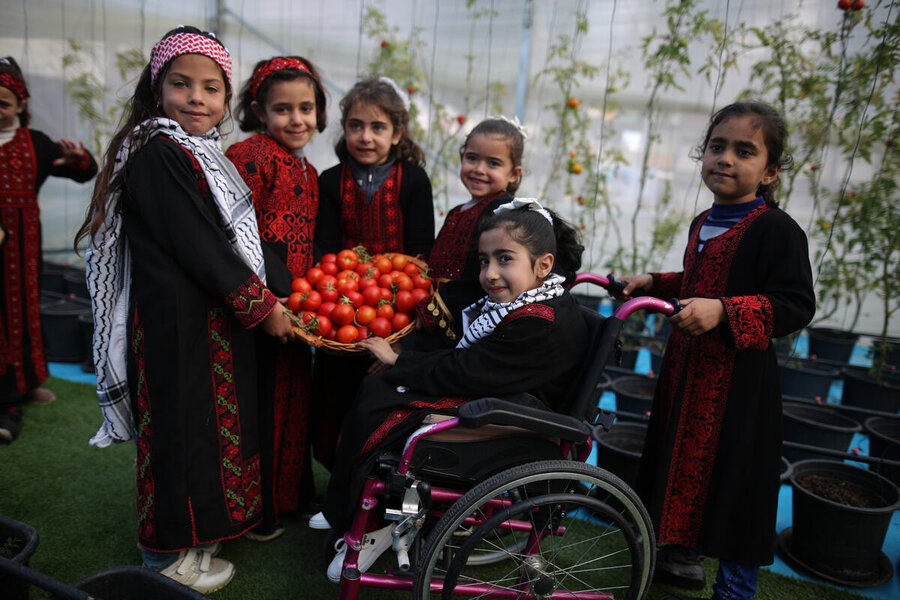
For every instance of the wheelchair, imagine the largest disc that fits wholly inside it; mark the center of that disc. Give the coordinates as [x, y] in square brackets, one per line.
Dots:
[498, 502]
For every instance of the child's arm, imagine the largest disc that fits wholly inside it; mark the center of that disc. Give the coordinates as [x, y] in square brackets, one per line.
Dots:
[380, 349]
[418, 217]
[63, 159]
[327, 237]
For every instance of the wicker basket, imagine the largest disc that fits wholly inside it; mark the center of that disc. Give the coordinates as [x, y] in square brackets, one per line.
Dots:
[317, 341]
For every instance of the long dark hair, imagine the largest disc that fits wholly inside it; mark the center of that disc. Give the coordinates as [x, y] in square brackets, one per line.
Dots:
[247, 119]
[775, 133]
[144, 104]
[532, 229]
[9, 65]
[515, 140]
[380, 93]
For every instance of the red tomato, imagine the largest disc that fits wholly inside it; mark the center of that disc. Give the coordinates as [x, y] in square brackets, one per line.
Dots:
[404, 282]
[845, 4]
[383, 264]
[363, 333]
[326, 308]
[342, 314]
[387, 295]
[301, 285]
[419, 294]
[330, 268]
[312, 301]
[312, 276]
[380, 327]
[385, 311]
[405, 301]
[372, 295]
[324, 327]
[330, 257]
[366, 282]
[385, 281]
[348, 274]
[365, 269]
[421, 282]
[399, 321]
[294, 302]
[356, 299]
[307, 316]
[346, 285]
[325, 281]
[365, 314]
[347, 334]
[411, 269]
[399, 261]
[331, 335]
[347, 259]
[329, 294]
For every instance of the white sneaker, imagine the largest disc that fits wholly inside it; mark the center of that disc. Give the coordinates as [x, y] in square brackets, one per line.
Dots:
[200, 571]
[374, 545]
[318, 521]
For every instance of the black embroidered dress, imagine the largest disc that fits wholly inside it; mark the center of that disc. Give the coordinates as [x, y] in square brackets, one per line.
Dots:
[192, 356]
[711, 461]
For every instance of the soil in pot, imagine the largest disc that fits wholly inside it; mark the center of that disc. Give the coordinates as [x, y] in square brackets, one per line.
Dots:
[634, 394]
[843, 492]
[619, 450]
[816, 426]
[831, 344]
[807, 378]
[884, 442]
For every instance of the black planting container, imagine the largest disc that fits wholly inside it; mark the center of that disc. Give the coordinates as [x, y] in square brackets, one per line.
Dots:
[816, 426]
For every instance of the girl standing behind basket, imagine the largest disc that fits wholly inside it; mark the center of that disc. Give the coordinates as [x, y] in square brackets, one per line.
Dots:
[491, 169]
[379, 197]
[177, 282]
[27, 158]
[710, 468]
[284, 99]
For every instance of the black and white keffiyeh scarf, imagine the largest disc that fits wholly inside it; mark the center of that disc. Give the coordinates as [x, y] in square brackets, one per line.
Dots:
[108, 265]
[480, 318]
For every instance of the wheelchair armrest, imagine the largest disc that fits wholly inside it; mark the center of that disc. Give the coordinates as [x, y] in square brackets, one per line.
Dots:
[494, 411]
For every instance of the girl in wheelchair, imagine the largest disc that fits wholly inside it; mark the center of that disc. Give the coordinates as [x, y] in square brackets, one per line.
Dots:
[526, 336]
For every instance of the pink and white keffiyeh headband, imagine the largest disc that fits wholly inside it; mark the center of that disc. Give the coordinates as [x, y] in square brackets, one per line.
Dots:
[187, 43]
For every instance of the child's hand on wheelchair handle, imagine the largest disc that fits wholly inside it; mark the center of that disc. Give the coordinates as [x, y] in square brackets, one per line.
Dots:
[635, 283]
[699, 315]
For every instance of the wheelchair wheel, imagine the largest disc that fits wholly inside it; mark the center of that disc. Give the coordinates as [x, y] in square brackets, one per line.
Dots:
[551, 529]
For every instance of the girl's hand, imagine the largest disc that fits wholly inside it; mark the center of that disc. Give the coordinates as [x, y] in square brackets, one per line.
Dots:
[699, 315]
[636, 283]
[279, 325]
[73, 154]
[380, 349]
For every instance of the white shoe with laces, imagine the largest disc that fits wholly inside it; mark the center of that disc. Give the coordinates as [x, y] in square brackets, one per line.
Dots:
[318, 521]
[374, 545]
[200, 571]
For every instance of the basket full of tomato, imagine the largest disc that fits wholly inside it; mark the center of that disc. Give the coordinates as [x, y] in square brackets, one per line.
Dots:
[351, 295]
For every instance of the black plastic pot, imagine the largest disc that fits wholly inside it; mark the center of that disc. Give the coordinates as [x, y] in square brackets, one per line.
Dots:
[784, 346]
[21, 541]
[53, 278]
[816, 426]
[835, 541]
[615, 372]
[619, 450]
[884, 442]
[807, 378]
[634, 394]
[134, 583]
[862, 391]
[63, 338]
[76, 283]
[831, 344]
[786, 469]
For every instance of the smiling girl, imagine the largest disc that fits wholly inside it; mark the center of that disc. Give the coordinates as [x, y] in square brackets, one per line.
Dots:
[285, 100]
[177, 283]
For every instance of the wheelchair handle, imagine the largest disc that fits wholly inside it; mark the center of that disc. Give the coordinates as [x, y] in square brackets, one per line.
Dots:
[630, 307]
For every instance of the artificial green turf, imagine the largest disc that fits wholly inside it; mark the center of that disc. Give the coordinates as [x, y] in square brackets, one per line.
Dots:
[81, 501]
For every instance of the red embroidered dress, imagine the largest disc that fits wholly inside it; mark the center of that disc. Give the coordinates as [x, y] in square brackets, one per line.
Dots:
[286, 196]
[25, 163]
[450, 256]
[192, 359]
[377, 225]
[710, 471]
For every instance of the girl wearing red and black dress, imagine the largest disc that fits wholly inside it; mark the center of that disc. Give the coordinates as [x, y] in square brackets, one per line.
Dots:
[491, 170]
[284, 101]
[27, 158]
[380, 197]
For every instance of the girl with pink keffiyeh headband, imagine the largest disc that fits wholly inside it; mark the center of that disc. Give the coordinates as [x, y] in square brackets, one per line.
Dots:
[178, 290]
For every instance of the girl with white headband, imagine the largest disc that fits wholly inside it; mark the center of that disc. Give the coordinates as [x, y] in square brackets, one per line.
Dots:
[178, 286]
[525, 335]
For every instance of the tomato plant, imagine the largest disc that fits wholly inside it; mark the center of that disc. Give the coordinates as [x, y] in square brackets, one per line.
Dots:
[347, 334]
[347, 259]
[301, 285]
[380, 327]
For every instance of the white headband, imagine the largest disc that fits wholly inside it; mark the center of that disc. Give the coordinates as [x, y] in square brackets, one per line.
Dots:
[514, 122]
[529, 203]
[404, 97]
